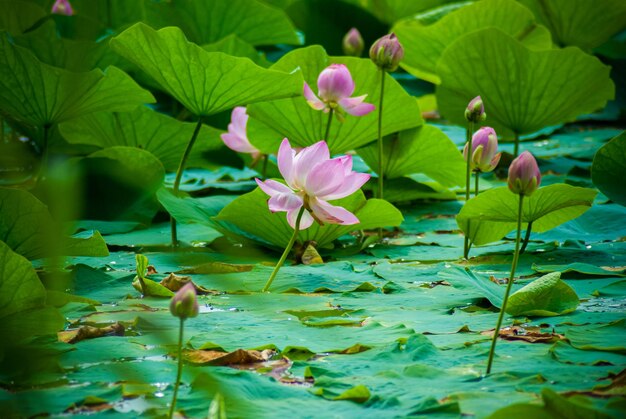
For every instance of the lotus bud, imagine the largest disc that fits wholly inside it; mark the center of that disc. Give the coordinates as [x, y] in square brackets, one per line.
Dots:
[184, 303]
[353, 43]
[484, 150]
[524, 175]
[475, 111]
[62, 7]
[387, 52]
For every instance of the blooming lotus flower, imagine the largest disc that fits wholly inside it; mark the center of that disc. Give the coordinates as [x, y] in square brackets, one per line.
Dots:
[484, 146]
[475, 111]
[62, 7]
[236, 138]
[184, 303]
[313, 178]
[335, 86]
[353, 43]
[387, 52]
[524, 175]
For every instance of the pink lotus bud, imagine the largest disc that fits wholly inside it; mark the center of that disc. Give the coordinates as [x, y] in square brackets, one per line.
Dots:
[353, 43]
[475, 111]
[387, 52]
[184, 303]
[62, 7]
[335, 85]
[524, 175]
[484, 150]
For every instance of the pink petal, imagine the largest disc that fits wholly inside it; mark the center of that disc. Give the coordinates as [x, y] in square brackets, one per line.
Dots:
[325, 177]
[285, 202]
[331, 214]
[305, 222]
[236, 143]
[313, 100]
[335, 83]
[347, 163]
[350, 185]
[355, 105]
[271, 187]
[239, 120]
[306, 160]
[285, 162]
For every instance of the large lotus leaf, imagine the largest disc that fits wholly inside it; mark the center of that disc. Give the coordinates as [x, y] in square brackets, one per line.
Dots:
[545, 296]
[39, 94]
[20, 288]
[609, 169]
[73, 55]
[120, 183]
[390, 11]
[233, 45]
[582, 23]
[28, 228]
[424, 44]
[144, 128]
[295, 119]
[204, 82]
[425, 149]
[18, 16]
[209, 21]
[251, 216]
[523, 90]
[492, 214]
[110, 13]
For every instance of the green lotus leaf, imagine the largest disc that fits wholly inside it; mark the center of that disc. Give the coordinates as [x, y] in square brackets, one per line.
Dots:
[39, 94]
[424, 44]
[523, 90]
[545, 296]
[204, 82]
[425, 149]
[233, 45]
[252, 218]
[492, 214]
[609, 169]
[18, 16]
[581, 23]
[204, 22]
[293, 118]
[144, 128]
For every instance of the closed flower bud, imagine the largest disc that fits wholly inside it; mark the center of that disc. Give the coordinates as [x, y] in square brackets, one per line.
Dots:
[524, 175]
[475, 111]
[353, 43]
[387, 52]
[62, 7]
[184, 303]
[485, 157]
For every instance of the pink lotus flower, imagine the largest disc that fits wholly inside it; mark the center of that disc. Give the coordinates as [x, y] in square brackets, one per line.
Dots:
[184, 303]
[236, 138]
[475, 111]
[313, 178]
[335, 85]
[387, 52]
[62, 7]
[353, 43]
[484, 147]
[524, 175]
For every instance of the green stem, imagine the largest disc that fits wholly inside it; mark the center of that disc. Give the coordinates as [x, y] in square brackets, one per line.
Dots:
[1, 130]
[44, 158]
[496, 332]
[516, 148]
[179, 175]
[380, 135]
[286, 252]
[468, 134]
[477, 175]
[179, 373]
[526, 237]
[330, 119]
[264, 170]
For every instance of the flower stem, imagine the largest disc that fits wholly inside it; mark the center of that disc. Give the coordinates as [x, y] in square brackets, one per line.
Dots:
[468, 134]
[330, 119]
[496, 332]
[180, 369]
[380, 135]
[286, 252]
[264, 170]
[44, 158]
[179, 175]
[526, 237]
[477, 179]
[516, 148]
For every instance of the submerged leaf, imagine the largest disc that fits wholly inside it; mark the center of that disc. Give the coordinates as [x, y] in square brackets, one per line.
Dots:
[91, 332]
